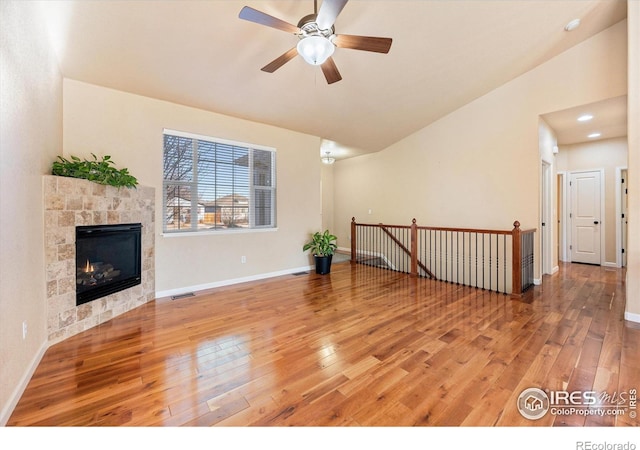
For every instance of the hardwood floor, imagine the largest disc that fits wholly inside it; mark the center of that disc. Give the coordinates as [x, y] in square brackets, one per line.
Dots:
[359, 347]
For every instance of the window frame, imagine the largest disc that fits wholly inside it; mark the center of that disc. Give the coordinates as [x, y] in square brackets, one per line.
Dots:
[193, 230]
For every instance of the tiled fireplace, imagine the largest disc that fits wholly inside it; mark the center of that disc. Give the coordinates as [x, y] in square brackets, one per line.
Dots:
[73, 203]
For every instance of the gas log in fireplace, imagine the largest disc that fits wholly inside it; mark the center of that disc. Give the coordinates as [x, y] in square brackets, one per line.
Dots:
[108, 260]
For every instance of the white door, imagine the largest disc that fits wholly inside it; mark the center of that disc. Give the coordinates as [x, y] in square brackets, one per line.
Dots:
[585, 217]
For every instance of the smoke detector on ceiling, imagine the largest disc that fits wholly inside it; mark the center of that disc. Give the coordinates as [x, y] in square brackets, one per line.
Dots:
[575, 23]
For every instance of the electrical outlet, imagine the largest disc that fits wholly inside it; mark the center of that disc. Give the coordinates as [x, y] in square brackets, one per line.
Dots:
[243, 259]
[24, 329]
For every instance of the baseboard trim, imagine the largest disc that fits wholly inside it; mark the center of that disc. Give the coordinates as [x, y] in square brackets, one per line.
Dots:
[555, 270]
[632, 317]
[610, 264]
[215, 284]
[537, 281]
[5, 415]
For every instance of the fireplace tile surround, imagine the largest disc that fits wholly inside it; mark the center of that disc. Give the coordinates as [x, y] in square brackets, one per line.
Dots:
[70, 202]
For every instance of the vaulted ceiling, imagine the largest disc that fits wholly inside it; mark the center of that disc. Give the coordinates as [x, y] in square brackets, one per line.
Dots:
[201, 54]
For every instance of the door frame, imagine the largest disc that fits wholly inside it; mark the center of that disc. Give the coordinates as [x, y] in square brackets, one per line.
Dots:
[619, 243]
[602, 211]
[563, 214]
[546, 217]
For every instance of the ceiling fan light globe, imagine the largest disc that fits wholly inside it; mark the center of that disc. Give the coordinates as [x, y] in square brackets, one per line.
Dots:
[315, 49]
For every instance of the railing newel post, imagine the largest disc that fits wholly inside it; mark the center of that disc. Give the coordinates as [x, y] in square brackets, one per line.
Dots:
[516, 263]
[414, 248]
[353, 240]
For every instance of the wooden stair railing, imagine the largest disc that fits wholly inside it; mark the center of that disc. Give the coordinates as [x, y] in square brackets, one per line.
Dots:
[452, 252]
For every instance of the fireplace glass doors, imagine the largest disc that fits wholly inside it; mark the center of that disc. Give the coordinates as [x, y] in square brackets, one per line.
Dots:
[108, 260]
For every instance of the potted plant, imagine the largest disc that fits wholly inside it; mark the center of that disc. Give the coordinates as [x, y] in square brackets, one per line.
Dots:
[322, 247]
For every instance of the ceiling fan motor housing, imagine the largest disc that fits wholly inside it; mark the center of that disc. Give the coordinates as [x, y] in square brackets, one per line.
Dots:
[310, 27]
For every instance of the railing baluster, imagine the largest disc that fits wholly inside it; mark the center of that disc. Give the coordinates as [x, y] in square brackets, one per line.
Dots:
[451, 255]
[492, 258]
[475, 255]
[483, 261]
[470, 279]
[431, 252]
[458, 257]
[463, 277]
[498, 260]
[440, 268]
[504, 265]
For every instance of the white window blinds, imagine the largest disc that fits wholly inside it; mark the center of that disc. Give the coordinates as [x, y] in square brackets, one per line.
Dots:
[212, 184]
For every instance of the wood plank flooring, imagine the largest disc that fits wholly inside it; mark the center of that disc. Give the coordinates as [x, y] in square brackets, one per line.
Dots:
[359, 347]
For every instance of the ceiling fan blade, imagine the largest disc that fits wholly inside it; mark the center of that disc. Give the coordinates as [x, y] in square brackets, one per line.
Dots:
[280, 61]
[367, 43]
[330, 71]
[253, 15]
[328, 13]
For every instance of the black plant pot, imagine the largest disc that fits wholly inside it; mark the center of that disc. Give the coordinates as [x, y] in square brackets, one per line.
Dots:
[323, 264]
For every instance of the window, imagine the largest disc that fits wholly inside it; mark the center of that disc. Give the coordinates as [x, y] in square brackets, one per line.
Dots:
[211, 184]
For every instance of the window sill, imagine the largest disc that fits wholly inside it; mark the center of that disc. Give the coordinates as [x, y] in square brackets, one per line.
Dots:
[217, 232]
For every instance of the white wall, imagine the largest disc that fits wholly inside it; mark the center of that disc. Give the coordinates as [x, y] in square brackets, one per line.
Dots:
[632, 311]
[480, 165]
[30, 138]
[129, 128]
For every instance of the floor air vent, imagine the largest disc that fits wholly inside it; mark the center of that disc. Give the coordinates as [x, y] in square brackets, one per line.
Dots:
[185, 295]
[297, 274]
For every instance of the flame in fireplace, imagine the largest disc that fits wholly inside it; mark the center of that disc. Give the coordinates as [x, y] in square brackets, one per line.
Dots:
[89, 267]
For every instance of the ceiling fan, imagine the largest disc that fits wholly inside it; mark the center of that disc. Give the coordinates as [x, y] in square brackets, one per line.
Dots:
[317, 38]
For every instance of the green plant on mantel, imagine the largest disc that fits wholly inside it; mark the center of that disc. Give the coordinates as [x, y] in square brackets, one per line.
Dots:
[98, 171]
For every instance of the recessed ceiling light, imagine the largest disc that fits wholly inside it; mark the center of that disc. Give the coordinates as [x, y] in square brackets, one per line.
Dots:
[585, 117]
[594, 135]
[575, 23]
